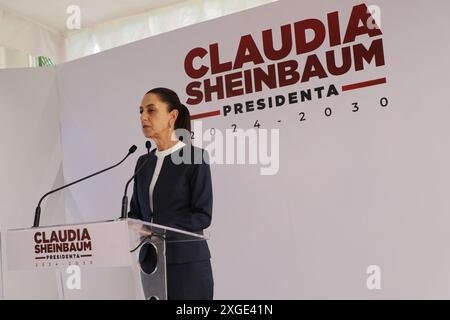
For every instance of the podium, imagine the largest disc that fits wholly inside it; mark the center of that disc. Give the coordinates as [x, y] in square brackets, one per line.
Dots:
[83, 254]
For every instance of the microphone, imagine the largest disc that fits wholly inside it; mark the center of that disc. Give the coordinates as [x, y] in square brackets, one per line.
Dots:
[37, 214]
[124, 211]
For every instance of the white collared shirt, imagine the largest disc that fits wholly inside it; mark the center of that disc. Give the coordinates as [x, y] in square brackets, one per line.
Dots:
[160, 155]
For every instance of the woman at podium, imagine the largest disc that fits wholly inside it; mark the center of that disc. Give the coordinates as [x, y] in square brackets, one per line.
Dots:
[175, 194]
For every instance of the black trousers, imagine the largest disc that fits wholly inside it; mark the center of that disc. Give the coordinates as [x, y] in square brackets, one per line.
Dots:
[190, 281]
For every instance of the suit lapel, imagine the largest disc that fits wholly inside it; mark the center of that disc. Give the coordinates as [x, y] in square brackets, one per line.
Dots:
[147, 177]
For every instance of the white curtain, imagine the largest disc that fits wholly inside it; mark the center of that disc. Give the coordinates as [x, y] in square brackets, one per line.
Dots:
[22, 39]
[28, 37]
[13, 58]
[88, 41]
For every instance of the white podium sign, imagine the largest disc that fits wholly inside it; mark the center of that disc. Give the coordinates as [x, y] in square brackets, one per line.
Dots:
[102, 244]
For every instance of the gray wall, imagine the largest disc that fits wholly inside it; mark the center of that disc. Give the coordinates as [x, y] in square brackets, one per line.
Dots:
[31, 165]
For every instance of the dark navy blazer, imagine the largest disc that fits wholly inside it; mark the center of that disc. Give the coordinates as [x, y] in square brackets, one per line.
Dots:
[182, 199]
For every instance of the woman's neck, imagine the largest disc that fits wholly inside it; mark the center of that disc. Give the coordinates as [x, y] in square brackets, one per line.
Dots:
[164, 144]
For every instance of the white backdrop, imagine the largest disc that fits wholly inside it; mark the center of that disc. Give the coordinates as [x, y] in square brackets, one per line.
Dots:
[353, 189]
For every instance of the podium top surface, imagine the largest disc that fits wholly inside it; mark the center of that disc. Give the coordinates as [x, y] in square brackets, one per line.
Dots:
[130, 221]
[150, 225]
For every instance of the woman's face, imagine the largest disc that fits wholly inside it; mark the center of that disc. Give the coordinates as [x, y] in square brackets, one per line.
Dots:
[156, 121]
